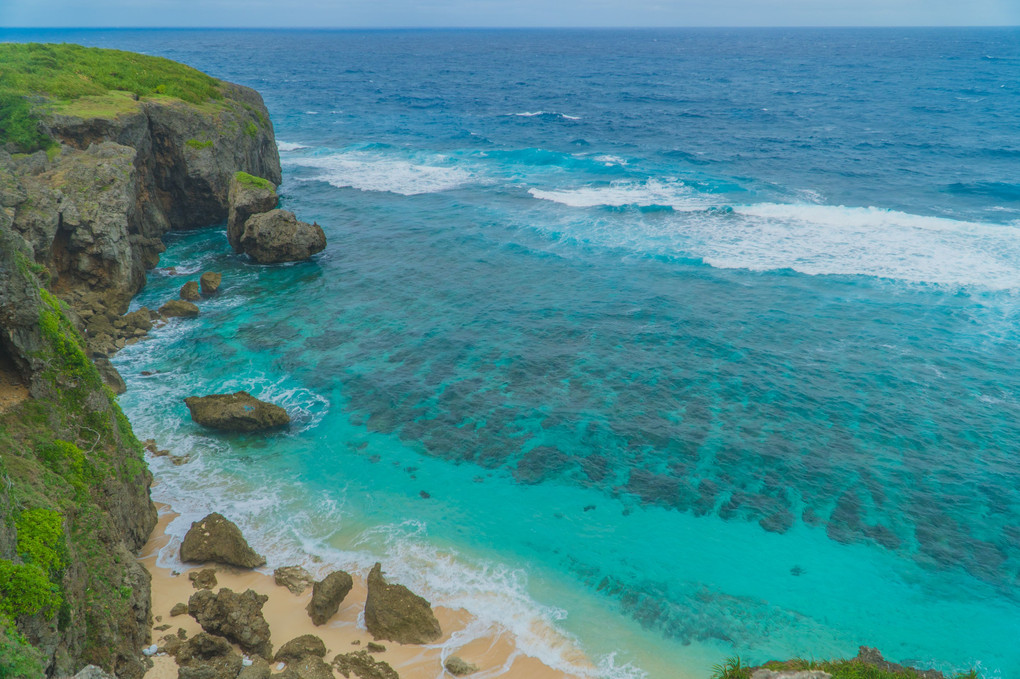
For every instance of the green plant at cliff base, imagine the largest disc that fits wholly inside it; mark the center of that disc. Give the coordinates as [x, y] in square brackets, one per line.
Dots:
[18, 658]
[33, 586]
[849, 669]
[731, 668]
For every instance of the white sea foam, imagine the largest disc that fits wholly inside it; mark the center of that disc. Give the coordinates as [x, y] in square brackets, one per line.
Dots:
[671, 192]
[373, 171]
[289, 146]
[551, 114]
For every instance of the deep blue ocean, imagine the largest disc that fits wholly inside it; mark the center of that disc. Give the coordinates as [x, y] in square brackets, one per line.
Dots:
[664, 345]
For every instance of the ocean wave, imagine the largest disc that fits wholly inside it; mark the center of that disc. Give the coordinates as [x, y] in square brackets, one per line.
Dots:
[289, 146]
[373, 171]
[543, 114]
[670, 192]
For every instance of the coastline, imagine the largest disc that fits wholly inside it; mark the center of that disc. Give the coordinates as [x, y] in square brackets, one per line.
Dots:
[496, 654]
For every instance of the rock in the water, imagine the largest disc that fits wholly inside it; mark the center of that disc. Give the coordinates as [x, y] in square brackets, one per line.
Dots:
[238, 617]
[294, 578]
[217, 539]
[363, 665]
[249, 195]
[203, 579]
[239, 411]
[189, 292]
[278, 236]
[327, 595]
[459, 667]
[178, 609]
[178, 308]
[111, 377]
[295, 649]
[210, 283]
[207, 657]
[394, 613]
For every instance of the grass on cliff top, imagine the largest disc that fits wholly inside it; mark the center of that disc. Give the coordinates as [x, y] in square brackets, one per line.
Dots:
[253, 181]
[85, 81]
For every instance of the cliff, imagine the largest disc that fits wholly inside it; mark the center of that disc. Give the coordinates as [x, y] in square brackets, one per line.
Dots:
[101, 153]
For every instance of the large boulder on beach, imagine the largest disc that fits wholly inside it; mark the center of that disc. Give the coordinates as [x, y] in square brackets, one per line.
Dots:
[327, 595]
[394, 613]
[237, 617]
[205, 656]
[239, 411]
[294, 578]
[278, 236]
[248, 195]
[217, 539]
[459, 667]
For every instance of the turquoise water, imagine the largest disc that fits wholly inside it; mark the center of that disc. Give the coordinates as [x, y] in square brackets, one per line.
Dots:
[662, 345]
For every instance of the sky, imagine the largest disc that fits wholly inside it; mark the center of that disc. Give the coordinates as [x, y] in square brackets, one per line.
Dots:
[503, 13]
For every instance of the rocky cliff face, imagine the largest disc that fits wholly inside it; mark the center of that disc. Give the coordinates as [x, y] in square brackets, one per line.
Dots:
[78, 228]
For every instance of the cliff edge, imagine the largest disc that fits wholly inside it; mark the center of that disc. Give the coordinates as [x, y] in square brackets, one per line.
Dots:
[101, 153]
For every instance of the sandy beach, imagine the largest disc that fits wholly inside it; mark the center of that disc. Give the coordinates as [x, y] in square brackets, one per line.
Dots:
[495, 656]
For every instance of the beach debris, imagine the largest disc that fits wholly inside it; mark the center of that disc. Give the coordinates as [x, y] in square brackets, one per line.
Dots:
[394, 613]
[237, 617]
[327, 594]
[459, 667]
[210, 282]
[189, 292]
[219, 540]
[364, 666]
[294, 578]
[203, 579]
[299, 647]
[239, 411]
[150, 650]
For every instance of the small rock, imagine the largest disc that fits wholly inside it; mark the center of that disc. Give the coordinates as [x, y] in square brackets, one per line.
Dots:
[459, 667]
[178, 308]
[255, 669]
[394, 613]
[161, 628]
[210, 282]
[189, 292]
[304, 645]
[294, 578]
[178, 609]
[217, 539]
[203, 579]
[327, 596]
[373, 647]
[364, 666]
[239, 411]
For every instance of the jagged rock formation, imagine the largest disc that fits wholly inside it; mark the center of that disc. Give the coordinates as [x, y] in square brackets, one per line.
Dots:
[394, 613]
[299, 647]
[239, 411]
[364, 666]
[217, 539]
[237, 617]
[248, 196]
[294, 578]
[205, 656]
[75, 494]
[210, 282]
[327, 595]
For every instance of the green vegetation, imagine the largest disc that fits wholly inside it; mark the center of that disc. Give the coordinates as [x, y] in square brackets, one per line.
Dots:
[196, 144]
[85, 81]
[18, 659]
[251, 129]
[734, 668]
[253, 181]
